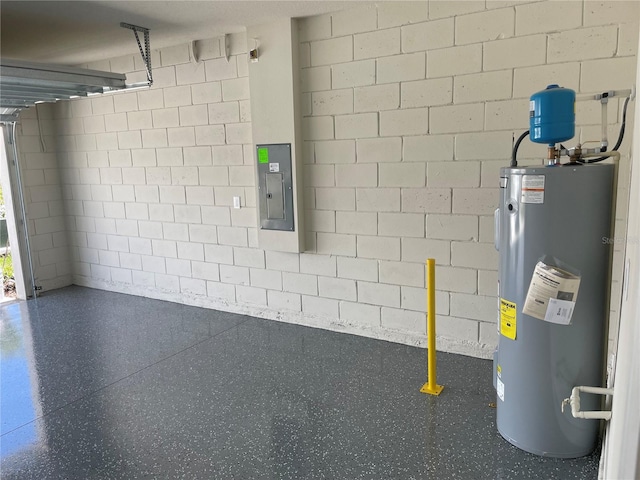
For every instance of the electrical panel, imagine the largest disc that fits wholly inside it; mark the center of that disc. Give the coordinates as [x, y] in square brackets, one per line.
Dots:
[275, 186]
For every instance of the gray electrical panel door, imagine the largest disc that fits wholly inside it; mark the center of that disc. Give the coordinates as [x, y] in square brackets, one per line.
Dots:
[562, 214]
[275, 186]
[275, 196]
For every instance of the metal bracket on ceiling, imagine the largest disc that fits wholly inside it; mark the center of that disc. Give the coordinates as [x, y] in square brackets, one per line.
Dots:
[146, 52]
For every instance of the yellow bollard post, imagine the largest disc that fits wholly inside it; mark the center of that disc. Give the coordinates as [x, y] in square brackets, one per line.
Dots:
[431, 388]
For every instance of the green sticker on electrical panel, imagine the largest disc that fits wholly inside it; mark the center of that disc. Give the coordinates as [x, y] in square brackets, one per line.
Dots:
[263, 155]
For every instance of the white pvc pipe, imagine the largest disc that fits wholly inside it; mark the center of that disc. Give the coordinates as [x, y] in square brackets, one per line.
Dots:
[604, 142]
[614, 93]
[574, 401]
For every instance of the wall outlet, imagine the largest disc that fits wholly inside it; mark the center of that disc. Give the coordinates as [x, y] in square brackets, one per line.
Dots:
[236, 202]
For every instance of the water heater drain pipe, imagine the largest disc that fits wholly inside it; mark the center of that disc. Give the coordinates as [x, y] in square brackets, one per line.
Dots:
[574, 401]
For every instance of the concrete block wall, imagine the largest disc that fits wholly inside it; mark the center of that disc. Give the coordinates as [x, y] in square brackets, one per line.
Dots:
[37, 150]
[149, 178]
[409, 111]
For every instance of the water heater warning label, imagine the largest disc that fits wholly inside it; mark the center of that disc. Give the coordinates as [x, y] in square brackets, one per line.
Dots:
[532, 189]
[508, 319]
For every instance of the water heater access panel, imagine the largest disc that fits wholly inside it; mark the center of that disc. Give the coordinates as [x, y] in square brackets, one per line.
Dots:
[275, 186]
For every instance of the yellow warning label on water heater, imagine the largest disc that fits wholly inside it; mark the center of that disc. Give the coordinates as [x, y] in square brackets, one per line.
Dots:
[508, 319]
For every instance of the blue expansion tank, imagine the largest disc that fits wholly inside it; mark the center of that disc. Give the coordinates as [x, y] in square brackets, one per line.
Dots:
[552, 115]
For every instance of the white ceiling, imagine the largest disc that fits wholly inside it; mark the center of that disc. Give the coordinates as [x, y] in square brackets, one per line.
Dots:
[76, 32]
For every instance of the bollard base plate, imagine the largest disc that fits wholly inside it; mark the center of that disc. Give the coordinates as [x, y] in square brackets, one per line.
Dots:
[435, 391]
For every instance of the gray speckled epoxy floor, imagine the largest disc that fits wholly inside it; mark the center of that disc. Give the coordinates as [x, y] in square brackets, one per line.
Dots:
[97, 385]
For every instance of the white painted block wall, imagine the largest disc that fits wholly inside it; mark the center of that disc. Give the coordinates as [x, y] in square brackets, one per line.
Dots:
[409, 110]
[431, 93]
[43, 196]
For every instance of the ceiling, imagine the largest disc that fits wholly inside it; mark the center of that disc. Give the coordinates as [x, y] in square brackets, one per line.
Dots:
[77, 32]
